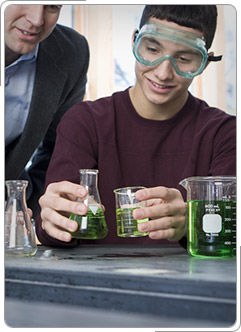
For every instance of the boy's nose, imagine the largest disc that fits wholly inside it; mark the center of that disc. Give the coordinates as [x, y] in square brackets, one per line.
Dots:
[35, 15]
[164, 70]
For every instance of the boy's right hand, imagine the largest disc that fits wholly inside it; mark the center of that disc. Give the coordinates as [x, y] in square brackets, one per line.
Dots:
[56, 205]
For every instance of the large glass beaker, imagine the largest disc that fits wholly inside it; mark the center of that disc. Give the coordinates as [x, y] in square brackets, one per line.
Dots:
[211, 214]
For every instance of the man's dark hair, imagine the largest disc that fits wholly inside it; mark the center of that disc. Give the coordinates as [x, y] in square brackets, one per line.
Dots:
[201, 17]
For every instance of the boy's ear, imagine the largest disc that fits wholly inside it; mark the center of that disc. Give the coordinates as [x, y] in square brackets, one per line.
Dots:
[209, 54]
[135, 32]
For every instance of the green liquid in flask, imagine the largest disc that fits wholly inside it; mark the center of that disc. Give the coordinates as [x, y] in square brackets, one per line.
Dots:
[212, 228]
[91, 226]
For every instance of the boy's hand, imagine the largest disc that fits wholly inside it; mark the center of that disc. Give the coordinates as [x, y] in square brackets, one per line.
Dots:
[56, 204]
[166, 211]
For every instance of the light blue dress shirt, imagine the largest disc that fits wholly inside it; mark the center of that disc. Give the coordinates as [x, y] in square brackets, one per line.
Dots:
[19, 81]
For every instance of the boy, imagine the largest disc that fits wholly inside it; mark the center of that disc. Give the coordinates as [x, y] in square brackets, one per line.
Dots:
[153, 134]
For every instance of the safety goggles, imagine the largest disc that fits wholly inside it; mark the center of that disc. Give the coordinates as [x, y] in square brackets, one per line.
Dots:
[157, 42]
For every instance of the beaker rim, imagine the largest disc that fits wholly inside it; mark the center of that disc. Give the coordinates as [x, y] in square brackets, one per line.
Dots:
[211, 178]
[123, 190]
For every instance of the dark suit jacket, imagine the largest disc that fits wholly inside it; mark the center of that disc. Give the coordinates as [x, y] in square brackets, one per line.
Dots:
[60, 81]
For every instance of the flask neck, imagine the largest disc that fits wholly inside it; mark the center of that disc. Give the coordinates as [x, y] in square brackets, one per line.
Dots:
[17, 192]
[88, 178]
[17, 188]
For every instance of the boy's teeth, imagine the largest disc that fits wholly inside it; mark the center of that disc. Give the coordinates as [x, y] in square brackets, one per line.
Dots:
[159, 86]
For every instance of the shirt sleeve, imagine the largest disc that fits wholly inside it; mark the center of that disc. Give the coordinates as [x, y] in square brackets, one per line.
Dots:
[224, 150]
[74, 149]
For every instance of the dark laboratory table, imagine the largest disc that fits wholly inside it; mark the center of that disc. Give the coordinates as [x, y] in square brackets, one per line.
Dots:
[119, 286]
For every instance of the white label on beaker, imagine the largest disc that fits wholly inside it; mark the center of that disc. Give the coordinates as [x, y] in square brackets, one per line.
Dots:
[212, 223]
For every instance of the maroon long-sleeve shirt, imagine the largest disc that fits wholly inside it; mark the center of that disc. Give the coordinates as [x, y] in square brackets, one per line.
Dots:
[128, 150]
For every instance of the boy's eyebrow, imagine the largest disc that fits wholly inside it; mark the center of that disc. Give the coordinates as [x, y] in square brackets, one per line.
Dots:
[155, 41]
[194, 52]
[152, 40]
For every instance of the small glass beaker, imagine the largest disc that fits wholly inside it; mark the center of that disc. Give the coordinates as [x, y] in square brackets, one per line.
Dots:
[126, 203]
[93, 224]
[19, 234]
[211, 213]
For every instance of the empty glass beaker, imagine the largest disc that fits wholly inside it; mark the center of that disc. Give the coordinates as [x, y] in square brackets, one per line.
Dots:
[93, 224]
[211, 214]
[19, 233]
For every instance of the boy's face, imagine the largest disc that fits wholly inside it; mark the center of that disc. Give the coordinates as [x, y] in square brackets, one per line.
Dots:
[161, 84]
[27, 25]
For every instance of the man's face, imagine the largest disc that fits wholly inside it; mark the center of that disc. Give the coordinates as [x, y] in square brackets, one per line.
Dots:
[27, 25]
[161, 84]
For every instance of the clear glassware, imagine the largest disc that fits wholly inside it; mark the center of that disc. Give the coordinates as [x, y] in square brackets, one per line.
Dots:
[211, 215]
[93, 224]
[126, 203]
[19, 234]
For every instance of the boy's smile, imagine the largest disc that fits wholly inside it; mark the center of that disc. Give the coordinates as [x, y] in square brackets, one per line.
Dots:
[164, 88]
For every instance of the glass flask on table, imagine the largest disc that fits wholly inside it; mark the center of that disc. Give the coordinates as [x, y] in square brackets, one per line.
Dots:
[92, 225]
[19, 234]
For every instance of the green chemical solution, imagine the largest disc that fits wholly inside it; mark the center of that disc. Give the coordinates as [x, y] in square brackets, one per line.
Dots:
[127, 225]
[91, 226]
[212, 228]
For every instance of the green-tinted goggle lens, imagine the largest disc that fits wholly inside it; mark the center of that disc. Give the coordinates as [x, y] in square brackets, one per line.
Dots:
[186, 51]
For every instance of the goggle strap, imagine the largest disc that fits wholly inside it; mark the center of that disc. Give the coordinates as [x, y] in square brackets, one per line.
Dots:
[136, 33]
[215, 58]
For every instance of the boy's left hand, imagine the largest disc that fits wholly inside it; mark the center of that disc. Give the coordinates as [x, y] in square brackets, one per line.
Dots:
[166, 210]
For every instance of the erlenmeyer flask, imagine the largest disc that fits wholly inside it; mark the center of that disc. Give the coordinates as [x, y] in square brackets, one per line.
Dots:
[19, 233]
[93, 224]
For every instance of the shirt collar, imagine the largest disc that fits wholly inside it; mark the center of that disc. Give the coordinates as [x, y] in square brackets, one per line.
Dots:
[30, 57]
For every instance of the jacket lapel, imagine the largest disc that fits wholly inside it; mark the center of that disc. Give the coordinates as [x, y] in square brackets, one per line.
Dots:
[48, 86]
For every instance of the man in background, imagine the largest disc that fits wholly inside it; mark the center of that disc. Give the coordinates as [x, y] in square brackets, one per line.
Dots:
[45, 74]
